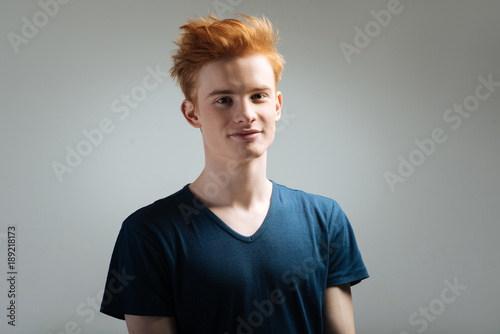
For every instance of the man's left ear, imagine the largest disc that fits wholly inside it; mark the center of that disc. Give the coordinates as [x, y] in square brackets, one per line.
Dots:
[279, 104]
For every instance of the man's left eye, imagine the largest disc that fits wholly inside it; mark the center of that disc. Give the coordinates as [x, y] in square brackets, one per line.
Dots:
[258, 96]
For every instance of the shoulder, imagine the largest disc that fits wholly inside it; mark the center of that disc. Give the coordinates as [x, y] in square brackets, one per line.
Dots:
[320, 204]
[315, 209]
[158, 214]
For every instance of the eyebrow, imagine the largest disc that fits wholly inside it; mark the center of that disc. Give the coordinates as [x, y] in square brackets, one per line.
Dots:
[232, 92]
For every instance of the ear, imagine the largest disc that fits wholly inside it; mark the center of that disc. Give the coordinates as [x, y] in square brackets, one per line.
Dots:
[279, 104]
[190, 114]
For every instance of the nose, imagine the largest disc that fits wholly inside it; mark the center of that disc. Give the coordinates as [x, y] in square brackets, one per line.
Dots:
[245, 112]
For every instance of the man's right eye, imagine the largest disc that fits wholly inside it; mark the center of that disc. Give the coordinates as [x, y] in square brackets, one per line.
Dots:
[223, 100]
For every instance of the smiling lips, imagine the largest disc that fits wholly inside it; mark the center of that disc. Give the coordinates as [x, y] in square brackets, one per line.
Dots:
[245, 134]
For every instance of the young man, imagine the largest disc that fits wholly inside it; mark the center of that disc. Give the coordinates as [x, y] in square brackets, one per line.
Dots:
[234, 252]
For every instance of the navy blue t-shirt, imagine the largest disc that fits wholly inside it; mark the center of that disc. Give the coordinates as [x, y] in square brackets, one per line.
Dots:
[176, 258]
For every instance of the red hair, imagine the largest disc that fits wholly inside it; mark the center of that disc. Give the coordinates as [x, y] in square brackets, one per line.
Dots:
[211, 39]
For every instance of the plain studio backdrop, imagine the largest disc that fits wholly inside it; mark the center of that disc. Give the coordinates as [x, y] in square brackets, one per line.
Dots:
[390, 107]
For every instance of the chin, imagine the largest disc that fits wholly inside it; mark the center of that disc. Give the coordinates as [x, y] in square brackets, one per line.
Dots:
[249, 154]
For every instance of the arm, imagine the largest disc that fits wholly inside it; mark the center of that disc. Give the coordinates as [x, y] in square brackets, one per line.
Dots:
[150, 325]
[338, 315]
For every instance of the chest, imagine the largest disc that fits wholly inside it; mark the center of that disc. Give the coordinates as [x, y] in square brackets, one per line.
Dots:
[288, 254]
[242, 222]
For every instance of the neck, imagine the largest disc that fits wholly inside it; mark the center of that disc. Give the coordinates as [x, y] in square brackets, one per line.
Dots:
[226, 183]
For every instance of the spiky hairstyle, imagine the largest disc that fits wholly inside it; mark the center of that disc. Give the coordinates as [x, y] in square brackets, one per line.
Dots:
[211, 39]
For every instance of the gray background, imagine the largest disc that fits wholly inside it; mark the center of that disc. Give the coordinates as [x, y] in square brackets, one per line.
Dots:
[345, 124]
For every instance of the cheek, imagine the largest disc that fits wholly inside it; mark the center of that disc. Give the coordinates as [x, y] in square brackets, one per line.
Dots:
[272, 130]
[213, 125]
[271, 120]
[210, 118]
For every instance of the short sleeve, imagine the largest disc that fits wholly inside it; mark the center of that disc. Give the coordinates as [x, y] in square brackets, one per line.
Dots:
[345, 262]
[138, 280]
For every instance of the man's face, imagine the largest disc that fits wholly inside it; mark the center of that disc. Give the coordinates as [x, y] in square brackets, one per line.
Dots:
[237, 108]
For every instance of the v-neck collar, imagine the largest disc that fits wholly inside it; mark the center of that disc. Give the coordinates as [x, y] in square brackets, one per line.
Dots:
[226, 227]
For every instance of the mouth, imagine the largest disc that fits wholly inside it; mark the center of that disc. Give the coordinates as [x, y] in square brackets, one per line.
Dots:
[245, 134]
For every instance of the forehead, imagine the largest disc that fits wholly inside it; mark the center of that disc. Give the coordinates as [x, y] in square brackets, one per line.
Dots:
[236, 74]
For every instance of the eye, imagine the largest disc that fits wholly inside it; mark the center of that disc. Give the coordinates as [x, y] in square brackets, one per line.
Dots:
[258, 96]
[223, 100]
